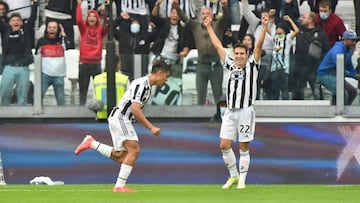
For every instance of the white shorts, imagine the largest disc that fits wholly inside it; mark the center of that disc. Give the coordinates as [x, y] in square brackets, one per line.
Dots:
[121, 129]
[238, 123]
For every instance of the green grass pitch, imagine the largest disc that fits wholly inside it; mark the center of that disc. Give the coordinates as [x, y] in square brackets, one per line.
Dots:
[159, 193]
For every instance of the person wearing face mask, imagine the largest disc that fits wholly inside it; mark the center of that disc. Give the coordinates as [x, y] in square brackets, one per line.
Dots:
[314, 5]
[52, 48]
[133, 36]
[331, 23]
[91, 46]
[326, 72]
[279, 71]
[220, 110]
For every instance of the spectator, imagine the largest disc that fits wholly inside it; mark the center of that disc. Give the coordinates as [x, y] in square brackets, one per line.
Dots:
[17, 56]
[23, 7]
[326, 72]
[249, 41]
[357, 15]
[280, 63]
[52, 48]
[285, 7]
[4, 8]
[209, 66]
[221, 106]
[64, 13]
[314, 5]
[171, 45]
[303, 70]
[122, 83]
[232, 34]
[133, 14]
[332, 24]
[133, 37]
[91, 34]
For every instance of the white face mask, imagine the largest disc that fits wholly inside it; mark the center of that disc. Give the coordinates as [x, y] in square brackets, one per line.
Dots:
[222, 111]
[135, 28]
[324, 15]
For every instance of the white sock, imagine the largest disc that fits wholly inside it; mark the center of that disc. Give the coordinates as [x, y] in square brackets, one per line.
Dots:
[244, 163]
[230, 162]
[103, 149]
[124, 173]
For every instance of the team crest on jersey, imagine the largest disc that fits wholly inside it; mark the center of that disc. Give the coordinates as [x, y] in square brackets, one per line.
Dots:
[238, 74]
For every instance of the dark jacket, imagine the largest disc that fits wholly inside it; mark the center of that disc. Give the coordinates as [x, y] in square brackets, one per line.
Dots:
[130, 43]
[306, 36]
[62, 6]
[18, 50]
[161, 32]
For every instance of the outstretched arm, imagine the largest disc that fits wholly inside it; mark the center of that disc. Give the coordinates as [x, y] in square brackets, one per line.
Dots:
[155, 11]
[214, 39]
[293, 26]
[261, 38]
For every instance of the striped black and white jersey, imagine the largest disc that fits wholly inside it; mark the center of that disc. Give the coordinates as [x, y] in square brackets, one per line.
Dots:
[139, 91]
[242, 83]
[186, 5]
[134, 6]
[94, 4]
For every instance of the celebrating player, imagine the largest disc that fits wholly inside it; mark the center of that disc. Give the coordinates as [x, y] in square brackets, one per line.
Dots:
[126, 148]
[238, 120]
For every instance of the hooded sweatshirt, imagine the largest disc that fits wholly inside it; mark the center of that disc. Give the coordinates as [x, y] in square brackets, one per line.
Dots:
[328, 64]
[90, 37]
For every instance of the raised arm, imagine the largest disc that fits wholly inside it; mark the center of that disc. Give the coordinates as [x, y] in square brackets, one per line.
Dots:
[260, 42]
[79, 20]
[180, 12]
[214, 39]
[249, 15]
[155, 10]
[294, 27]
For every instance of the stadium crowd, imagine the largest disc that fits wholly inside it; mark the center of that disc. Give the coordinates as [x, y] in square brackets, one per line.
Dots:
[294, 46]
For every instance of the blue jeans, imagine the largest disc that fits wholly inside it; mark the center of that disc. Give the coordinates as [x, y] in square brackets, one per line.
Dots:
[58, 84]
[18, 75]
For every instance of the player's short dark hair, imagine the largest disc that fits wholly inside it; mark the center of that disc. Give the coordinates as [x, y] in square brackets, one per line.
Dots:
[241, 46]
[160, 65]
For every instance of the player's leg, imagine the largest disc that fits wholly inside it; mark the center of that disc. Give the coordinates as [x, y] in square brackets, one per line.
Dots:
[126, 149]
[90, 143]
[246, 128]
[244, 163]
[133, 151]
[227, 133]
